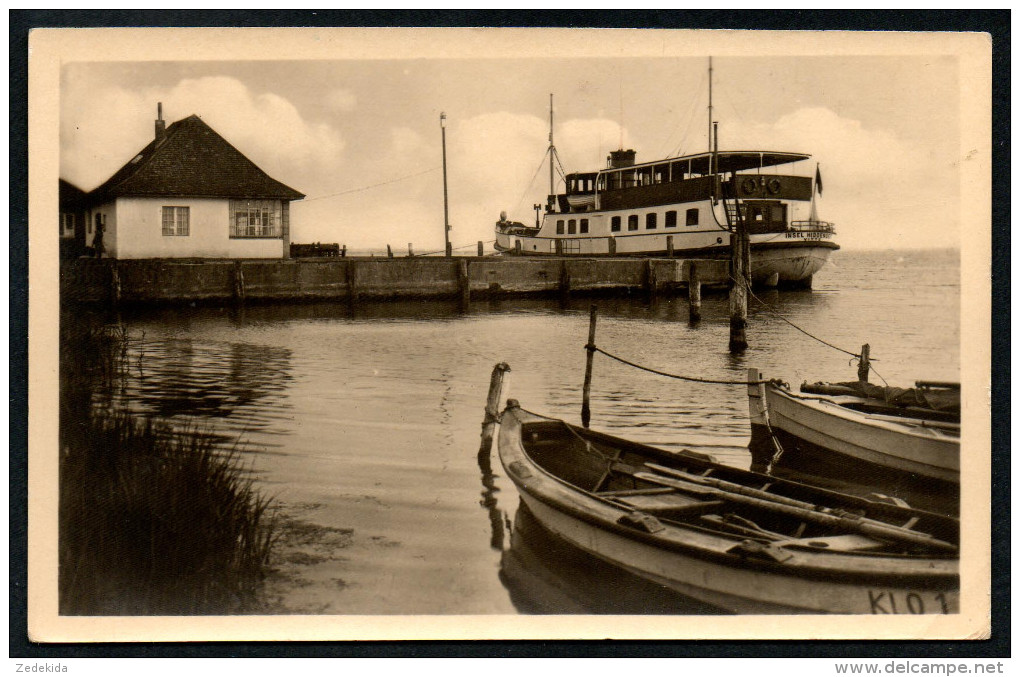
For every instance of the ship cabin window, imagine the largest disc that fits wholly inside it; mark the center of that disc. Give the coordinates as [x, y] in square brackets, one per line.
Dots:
[67, 225]
[584, 225]
[692, 217]
[650, 219]
[632, 223]
[615, 224]
[671, 218]
[644, 176]
[572, 226]
[559, 226]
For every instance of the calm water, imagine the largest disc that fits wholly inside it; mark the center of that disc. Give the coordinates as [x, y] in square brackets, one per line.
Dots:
[365, 427]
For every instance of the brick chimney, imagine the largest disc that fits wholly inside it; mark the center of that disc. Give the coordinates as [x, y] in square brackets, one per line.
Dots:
[160, 124]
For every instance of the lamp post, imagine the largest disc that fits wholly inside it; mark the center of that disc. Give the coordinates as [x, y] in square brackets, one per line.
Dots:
[446, 202]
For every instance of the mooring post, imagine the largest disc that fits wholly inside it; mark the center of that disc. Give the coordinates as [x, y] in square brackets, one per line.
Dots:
[564, 281]
[352, 284]
[497, 387]
[517, 246]
[481, 248]
[586, 392]
[343, 252]
[463, 283]
[653, 282]
[694, 292]
[238, 283]
[410, 250]
[114, 283]
[612, 246]
[865, 364]
[389, 252]
[669, 246]
[739, 266]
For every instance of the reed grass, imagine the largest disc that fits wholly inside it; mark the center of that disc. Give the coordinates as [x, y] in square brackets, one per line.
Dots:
[152, 521]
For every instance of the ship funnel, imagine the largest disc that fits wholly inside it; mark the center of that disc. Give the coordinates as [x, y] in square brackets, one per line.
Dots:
[621, 158]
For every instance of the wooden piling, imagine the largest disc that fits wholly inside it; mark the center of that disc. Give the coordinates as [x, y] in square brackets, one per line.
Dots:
[352, 283]
[481, 248]
[463, 283]
[669, 246]
[694, 292]
[114, 284]
[564, 281]
[739, 266]
[517, 246]
[497, 387]
[389, 252]
[612, 245]
[864, 366]
[653, 282]
[410, 250]
[586, 392]
[238, 283]
[343, 252]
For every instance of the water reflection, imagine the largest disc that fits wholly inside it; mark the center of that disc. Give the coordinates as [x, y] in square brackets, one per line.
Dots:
[244, 383]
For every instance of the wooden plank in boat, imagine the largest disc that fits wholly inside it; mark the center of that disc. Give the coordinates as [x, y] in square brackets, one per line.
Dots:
[672, 503]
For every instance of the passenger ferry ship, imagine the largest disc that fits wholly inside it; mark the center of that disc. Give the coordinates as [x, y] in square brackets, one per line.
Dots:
[685, 207]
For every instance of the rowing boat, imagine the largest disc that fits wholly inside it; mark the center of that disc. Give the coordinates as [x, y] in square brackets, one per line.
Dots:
[860, 437]
[738, 541]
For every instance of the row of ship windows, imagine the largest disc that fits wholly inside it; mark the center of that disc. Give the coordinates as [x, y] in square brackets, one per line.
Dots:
[570, 226]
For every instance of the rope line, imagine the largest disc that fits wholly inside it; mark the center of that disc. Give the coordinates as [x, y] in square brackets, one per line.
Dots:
[374, 185]
[667, 374]
[443, 251]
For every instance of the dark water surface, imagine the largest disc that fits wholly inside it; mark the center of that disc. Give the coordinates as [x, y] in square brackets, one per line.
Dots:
[365, 427]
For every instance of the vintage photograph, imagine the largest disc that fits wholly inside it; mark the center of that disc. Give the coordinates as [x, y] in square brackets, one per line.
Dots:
[464, 331]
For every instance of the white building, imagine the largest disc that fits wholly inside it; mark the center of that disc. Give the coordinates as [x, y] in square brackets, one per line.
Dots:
[190, 194]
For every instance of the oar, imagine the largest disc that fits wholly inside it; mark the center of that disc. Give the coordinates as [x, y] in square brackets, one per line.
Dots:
[783, 507]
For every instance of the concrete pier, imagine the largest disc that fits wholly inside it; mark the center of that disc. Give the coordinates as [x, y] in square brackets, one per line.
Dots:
[172, 281]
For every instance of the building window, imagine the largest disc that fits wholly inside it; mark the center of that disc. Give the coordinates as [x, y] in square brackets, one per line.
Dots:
[632, 223]
[650, 219]
[692, 217]
[572, 226]
[615, 224]
[559, 227]
[67, 225]
[671, 219]
[256, 218]
[584, 225]
[176, 220]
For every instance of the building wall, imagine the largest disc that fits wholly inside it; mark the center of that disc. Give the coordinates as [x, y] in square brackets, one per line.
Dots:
[134, 230]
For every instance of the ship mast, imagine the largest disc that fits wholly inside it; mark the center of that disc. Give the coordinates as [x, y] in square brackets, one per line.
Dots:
[552, 148]
[710, 105]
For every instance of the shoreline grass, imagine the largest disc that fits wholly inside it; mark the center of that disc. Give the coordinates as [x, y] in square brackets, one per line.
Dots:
[152, 520]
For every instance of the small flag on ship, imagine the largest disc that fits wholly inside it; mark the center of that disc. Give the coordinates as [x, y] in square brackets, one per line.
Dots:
[818, 178]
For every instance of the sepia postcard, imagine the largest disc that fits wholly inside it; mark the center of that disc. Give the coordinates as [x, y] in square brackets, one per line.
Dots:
[449, 333]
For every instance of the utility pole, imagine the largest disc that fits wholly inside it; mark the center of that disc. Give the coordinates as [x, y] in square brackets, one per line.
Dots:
[446, 201]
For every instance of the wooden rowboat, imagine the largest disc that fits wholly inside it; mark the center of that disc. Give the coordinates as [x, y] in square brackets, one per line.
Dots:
[739, 541]
[833, 435]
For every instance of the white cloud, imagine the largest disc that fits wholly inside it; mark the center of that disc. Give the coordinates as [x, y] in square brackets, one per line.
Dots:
[876, 185]
[100, 130]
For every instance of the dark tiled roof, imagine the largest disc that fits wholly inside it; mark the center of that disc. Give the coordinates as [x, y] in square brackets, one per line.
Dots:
[192, 161]
[71, 196]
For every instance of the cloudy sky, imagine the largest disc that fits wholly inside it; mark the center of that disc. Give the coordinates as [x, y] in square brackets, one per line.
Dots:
[361, 138]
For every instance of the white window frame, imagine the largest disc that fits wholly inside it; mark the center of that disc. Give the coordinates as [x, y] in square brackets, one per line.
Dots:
[179, 221]
[258, 219]
[67, 224]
